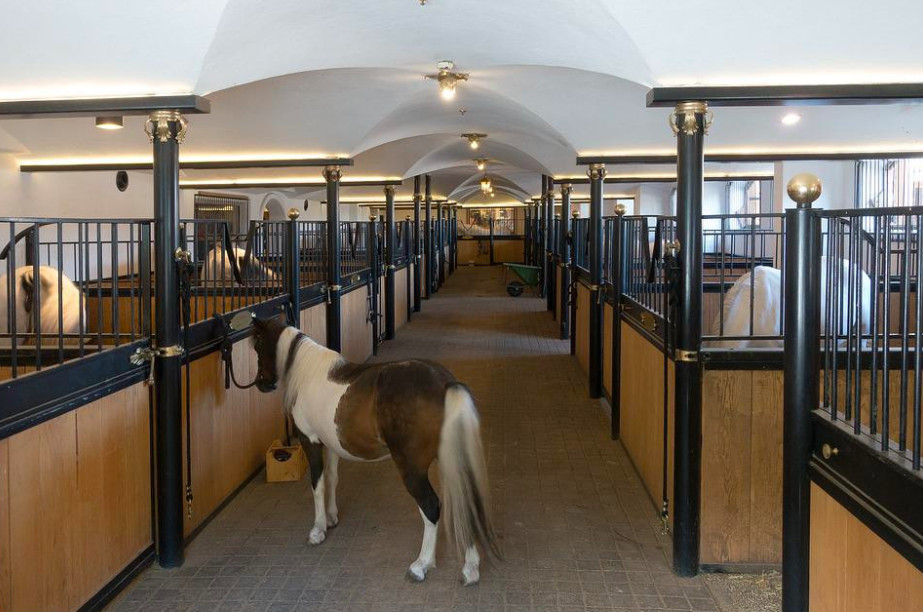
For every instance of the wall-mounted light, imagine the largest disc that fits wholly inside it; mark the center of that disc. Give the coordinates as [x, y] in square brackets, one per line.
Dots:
[791, 119]
[481, 163]
[447, 78]
[109, 123]
[474, 139]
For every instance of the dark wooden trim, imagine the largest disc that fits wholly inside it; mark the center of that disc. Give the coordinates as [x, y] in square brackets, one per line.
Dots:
[619, 180]
[877, 488]
[723, 359]
[37, 397]
[192, 165]
[121, 580]
[287, 184]
[97, 107]
[789, 95]
[769, 156]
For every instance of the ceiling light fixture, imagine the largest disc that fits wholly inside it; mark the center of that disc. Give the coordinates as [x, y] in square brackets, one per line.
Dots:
[447, 78]
[474, 140]
[109, 123]
[481, 163]
[486, 187]
[791, 119]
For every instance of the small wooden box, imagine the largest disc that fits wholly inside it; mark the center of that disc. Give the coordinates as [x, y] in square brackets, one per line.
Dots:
[285, 463]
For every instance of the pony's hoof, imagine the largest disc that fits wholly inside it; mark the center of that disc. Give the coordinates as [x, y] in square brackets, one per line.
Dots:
[470, 575]
[316, 536]
[417, 571]
[332, 521]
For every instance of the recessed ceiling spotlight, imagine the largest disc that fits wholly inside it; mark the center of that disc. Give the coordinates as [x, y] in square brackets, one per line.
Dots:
[109, 123]
[791, 119]
[481, 163]
[474, 139]
[447, 78]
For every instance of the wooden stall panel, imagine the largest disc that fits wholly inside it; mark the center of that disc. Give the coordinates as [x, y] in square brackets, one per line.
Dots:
[400, 297]
[557, 298]
[582, 345]
[642, 396]
[314, 323]
[76, 502]
[852, 569]
[741, 467]
[231, 430]
[508, 251]
[473, 252]
[357, 330]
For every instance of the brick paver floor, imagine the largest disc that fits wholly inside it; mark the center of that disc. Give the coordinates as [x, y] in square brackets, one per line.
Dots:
[578, 530]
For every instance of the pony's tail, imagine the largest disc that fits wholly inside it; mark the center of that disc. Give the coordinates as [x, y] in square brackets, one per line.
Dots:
[463, 473]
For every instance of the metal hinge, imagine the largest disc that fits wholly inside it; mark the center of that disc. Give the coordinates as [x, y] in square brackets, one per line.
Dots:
[685, 356]
[148, 355]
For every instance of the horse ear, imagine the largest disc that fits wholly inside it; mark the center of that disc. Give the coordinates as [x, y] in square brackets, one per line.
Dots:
[26, 281]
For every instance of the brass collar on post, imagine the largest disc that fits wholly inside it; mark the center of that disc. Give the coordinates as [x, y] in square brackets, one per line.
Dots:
[596, 172]
[689, 124]
[332, 174]
[157, 126]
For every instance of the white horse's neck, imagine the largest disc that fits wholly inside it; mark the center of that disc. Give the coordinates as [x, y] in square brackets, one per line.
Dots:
[310, 365]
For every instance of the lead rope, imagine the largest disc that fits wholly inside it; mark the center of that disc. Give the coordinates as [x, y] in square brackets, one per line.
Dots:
[184, 266]
[671, 270]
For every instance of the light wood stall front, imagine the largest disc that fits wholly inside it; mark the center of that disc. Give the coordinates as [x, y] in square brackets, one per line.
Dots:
[231, 429]
[607, 348]
[400, 297]
[356, 340]
[641, 400]
[473, 251]
[582, 344]
[508, 251]
[75, 502]
[741, 511]
[852, 569]
[314, 323]
[557, 297]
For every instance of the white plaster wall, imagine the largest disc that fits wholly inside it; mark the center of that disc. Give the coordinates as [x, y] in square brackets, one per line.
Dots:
[838, 178]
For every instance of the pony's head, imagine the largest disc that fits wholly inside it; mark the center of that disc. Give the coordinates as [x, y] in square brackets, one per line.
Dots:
[266, 334]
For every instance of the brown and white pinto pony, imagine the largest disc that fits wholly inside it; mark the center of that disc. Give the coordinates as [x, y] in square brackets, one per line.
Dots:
[413, 411]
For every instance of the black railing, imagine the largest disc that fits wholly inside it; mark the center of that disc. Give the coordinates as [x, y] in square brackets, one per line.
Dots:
[312, 252]
[354, 238]
[581, 243]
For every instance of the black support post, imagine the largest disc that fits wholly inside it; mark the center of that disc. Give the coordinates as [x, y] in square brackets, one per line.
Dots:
[440, 243]
[564, 262]
[597, 174]
[454, 234]
[549, 243]
[801, 388]
[167, 130]
[291, 265]
[537, 259]
[428, 231]
[619, 261]
[391, 246]
[527, 236]
[571, 290]
[374, 281]
[453, 237]
[689, 124]
[332, 175]
[417, 247]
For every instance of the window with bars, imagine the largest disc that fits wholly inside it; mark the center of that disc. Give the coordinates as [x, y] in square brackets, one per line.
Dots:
[222, 207]
[886, 183]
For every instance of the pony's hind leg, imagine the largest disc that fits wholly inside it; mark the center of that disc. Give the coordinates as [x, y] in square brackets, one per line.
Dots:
[471, 572]
[331, 477]
[417, 483]
[315, 453]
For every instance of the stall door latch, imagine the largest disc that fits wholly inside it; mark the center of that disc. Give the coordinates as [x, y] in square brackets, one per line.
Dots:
[147, 355]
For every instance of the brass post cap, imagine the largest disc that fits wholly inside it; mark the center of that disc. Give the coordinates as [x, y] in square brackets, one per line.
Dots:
[804, 189]
[620, 209]
[293, 213]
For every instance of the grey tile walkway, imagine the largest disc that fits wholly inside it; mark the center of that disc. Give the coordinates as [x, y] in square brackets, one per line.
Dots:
[577, 528]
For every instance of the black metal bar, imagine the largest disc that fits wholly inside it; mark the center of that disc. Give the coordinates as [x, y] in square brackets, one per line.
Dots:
[564, 315]
[490, 228]
[548, 189]
[619, 260]
[390, 252]
[428, 238]
[333, 175]
[374, 281]
[773, 156]
[597, 174]
[167, 369]
[417, 272]
[801, 397]
[286, 183]
[440, 246]
[453, 239]
[98, 107]
[292, 265]
[688, 338]
[230, 164]
[785, 95]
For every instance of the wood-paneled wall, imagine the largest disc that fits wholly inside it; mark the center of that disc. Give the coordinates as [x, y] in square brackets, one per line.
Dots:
[641, 423]
[607, 348]
[741, 467]
[400, 297]
[231, 429]
[852, 569]
[473, 251]
[508, 251]
[557, 298]
[75, 502]
[356, 342]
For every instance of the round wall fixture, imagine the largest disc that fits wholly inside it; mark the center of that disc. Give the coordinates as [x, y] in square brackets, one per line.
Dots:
[121, 180]
[306, 204]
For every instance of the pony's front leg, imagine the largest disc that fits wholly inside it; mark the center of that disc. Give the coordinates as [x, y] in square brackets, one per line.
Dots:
[315, 452]
[331, 477]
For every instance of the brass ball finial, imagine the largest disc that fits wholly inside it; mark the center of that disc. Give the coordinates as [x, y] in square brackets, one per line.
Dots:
[575, 213]
[406, 217]
[373, 218]
[804, 189]
[620, 209]
[293, 213]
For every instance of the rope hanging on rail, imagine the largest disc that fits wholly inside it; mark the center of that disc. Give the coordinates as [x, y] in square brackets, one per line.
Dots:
[185, 271]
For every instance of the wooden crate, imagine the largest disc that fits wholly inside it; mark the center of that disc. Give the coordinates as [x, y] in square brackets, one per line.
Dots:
[285, 463]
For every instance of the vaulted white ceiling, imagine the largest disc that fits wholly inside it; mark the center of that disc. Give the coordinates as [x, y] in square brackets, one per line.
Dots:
[549, 80]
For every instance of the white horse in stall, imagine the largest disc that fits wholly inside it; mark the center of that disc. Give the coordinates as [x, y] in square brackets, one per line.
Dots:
[763, 288]
[218, 267]
[50, 304]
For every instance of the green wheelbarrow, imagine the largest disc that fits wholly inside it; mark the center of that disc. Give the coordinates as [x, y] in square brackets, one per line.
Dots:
[529, 276]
